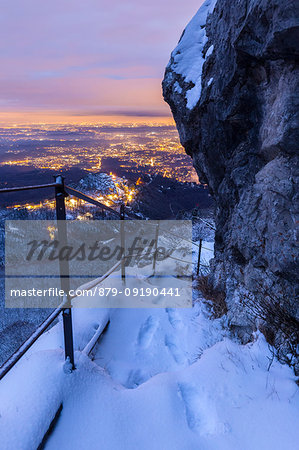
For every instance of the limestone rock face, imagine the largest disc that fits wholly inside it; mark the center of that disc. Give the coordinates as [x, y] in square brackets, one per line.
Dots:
[232, 85]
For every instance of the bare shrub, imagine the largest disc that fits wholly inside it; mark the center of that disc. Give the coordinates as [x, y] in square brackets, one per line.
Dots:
[215, 297]
[277, 322]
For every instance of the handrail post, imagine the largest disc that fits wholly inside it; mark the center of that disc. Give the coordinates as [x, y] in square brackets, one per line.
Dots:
[60, 195]
[199, 254]
[156, 247]
[122, 241]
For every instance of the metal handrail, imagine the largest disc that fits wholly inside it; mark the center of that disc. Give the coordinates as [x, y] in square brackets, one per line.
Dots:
[48, 321]
[68, 189]
[29, 342]
[61, 191]
[91, 284]
[27, 188]
[95, 338]
[88, 199]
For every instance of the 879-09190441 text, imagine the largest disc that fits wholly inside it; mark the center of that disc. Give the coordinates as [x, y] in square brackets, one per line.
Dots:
[100, 291]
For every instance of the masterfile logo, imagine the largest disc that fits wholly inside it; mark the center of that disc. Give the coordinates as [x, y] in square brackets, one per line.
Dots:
[98, 263]
[54, 250]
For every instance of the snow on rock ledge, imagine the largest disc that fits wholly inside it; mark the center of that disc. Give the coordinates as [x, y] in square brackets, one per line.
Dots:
[188, 57]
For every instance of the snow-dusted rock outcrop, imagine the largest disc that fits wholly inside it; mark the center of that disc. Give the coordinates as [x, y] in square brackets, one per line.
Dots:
[232, 85]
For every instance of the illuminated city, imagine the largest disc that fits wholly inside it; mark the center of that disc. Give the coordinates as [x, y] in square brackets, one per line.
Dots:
[125, 152]
[122, 193]
[63, 147]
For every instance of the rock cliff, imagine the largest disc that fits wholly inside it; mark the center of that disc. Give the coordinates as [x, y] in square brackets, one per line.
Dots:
[232, 85]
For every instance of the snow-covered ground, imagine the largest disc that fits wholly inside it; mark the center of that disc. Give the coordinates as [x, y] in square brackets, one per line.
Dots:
[160, 379]
[226, 399]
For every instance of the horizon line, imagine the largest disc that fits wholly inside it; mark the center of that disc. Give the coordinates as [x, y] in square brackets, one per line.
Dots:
[65, 117]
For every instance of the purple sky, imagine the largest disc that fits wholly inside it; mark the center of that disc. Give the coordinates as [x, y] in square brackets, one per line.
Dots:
[88, 57]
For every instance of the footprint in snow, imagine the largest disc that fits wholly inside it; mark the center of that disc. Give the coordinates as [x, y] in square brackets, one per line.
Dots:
[135, 378]
[191, 399]
[200, 410]
[174, 319]
[175, 351]
[147, 331]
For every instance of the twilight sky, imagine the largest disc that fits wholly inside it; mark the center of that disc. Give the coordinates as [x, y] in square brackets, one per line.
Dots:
[85, 58]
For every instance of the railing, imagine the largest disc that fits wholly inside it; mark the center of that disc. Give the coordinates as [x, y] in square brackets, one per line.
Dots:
[61, 192]
[17, 355]
[27, 344]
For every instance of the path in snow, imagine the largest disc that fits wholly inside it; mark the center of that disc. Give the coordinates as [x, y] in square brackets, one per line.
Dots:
[220, 397]
[164, 379]
[225, 400]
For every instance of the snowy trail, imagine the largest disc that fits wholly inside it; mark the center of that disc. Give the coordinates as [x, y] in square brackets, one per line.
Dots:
[225, 400]
[166, 379]
[138, 395]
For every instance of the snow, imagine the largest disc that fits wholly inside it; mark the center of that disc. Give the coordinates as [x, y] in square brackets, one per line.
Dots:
[210, 81]
[177, 88]
[159, 378]
[209, 51]
[188, 58]
[33, 390]
[98, 182]
[30, 398]
[207, 253]
[225, 400]
[135, 336]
